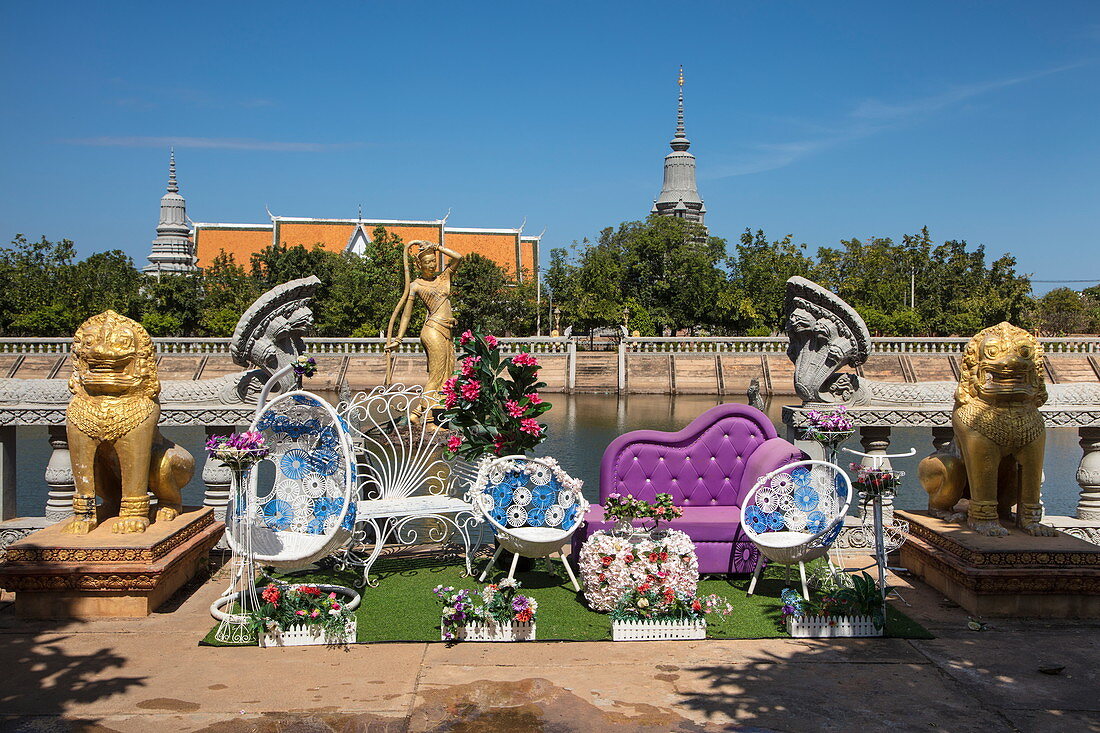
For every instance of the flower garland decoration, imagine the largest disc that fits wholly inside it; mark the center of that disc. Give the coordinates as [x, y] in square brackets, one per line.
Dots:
[304, 366]
[627, 509]
[285, 605]
[488, 413]
[611, 566]
[828, 426]
[500, 602]
[238, 450]
[647, 602]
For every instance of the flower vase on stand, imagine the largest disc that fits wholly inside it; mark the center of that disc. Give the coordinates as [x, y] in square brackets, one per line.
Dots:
[240, 452]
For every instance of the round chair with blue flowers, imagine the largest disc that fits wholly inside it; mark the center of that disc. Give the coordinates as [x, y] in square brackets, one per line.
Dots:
[532, 506]
[306, 511]
[795, 513]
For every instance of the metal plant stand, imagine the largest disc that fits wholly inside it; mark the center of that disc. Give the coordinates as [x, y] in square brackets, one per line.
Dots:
[240, 597]
[877, 461]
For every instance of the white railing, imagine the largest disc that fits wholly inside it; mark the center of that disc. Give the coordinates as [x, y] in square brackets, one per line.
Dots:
[561, 345]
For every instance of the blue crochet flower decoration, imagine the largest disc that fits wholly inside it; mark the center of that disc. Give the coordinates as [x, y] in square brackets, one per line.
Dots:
[278, 514]
[815, 522]
[295, 464]
[325, 461]
[775, 521]
[801, 476]
[805, 498]
[349, 518]
[754, 518]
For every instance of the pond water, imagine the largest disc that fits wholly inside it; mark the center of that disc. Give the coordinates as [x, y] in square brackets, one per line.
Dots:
[580, 428]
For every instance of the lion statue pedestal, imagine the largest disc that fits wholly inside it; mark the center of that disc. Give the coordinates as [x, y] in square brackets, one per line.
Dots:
[997, 456]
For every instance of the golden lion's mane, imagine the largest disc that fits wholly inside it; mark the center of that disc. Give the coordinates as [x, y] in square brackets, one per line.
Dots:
[967, 391]
[145, 365]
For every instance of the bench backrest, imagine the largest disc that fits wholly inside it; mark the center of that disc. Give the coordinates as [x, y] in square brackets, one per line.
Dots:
[701, 465]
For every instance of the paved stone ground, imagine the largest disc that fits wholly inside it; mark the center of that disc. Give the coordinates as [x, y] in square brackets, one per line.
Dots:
[150, 675]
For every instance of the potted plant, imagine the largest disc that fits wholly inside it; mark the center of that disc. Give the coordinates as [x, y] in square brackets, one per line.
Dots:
[626, 509]
[648, 613]
[611, 565]
[498, 613]
[300, 615]
[488, 413]
[854, 608]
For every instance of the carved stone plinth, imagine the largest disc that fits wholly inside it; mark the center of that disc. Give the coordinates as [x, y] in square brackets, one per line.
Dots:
[102, 574]
[1014, 576]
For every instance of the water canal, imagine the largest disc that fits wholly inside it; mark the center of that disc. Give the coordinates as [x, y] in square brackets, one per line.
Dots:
[580, 426]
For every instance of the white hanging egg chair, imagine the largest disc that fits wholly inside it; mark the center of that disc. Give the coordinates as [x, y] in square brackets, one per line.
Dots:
[308, 510]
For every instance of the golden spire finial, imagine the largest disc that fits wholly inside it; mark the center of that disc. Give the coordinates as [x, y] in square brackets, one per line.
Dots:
[681, 74]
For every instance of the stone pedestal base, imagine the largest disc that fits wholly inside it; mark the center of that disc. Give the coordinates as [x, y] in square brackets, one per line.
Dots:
[102, 574]
[1014, 576]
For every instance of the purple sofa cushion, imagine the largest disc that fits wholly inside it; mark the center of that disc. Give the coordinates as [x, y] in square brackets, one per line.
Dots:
[701, 465]
[702, 524]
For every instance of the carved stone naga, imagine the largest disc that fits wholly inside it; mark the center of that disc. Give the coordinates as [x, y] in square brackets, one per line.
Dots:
[827, 335]
[268, 336]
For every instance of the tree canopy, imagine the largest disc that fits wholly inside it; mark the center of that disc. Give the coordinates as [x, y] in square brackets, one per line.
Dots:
[664, 273]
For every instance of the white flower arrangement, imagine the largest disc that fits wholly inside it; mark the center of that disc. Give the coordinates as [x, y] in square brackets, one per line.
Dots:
[612, 565]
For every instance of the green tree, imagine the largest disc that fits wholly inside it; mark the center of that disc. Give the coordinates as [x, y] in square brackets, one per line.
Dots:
[1062, 311]
[228, 291]
[758, 271]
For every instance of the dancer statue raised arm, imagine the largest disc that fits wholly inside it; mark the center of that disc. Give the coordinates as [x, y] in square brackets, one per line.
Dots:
[434, 288]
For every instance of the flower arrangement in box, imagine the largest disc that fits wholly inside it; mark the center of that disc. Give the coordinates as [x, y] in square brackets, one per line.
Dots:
[238, 450]
[853, 607]
[301, 611]
[612, 565]
[498, 613]
[488, 413]
[649, 612]
[625, 509]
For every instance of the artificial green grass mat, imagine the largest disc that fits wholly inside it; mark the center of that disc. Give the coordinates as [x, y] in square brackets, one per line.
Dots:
[402, 606]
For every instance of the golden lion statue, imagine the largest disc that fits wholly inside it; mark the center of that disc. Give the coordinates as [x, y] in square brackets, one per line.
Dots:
[117, 452]
[999, 436]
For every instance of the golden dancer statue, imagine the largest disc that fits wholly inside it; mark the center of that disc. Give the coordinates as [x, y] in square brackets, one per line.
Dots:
[434, 288]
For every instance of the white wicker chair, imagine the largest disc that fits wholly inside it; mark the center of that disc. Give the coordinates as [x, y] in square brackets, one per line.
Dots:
[532, 506]
[795, 513]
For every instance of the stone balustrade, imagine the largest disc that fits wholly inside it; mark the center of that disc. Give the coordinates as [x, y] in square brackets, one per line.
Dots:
[555, 345]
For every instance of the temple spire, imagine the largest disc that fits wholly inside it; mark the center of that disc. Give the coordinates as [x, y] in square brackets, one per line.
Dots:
[679, 195]
[172, 251]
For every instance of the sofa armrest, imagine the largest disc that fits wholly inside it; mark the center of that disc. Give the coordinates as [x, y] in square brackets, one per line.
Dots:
[772, 454]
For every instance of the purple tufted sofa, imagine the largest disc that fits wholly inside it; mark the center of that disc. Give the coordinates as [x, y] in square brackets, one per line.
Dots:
[708, 467]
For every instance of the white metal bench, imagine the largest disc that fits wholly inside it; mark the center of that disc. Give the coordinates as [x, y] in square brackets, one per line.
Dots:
[408, 493]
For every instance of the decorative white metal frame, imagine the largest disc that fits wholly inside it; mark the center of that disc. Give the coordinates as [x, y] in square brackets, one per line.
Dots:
[792, 515]
[407, 490]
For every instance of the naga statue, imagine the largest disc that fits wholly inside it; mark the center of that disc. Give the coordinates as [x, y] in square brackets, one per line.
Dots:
[829, 340]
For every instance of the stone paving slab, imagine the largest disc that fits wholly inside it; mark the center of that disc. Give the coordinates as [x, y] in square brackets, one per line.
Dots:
[150, 675]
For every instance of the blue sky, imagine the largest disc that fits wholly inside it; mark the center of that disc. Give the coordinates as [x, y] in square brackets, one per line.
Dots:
[820, 120]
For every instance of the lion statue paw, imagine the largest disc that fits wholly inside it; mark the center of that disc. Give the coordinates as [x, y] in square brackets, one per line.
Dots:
[990, 528]
[77, 525]
[947, 515]
[130, 525]
[167, 514]
[1036, 529]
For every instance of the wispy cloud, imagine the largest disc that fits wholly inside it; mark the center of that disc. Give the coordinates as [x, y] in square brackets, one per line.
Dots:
[869, 117]
[227, 143]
